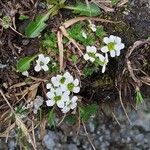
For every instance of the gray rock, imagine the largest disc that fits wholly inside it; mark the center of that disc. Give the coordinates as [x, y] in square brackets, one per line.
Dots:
[72, 147]
[3, 66]
[139, 137]
[91, 126]
[11, 145]
[25, 42]
[49, 142]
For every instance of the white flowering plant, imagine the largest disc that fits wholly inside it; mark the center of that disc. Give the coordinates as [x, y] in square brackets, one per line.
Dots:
[63, 89]
[73, 65]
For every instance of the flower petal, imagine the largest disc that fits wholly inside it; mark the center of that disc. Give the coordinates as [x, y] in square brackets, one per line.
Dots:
[73, 105]
[65, 109]
[55, 82]
[45, 67]
[66, 74]
[50, 94]
[118, 52]
[48, 85]
[84, 35]
[117, 40]
[41, 57]
[92, 59]
[76, 82]
[63, 87]
[112, 38]
[60, 104]
[69, 80]
[47, 60]
[86, 57]
[74, 99]
[76, 89]
[88, 48]
[103, 68]
[93, 49]
[25, 73]
[50, 102]
[93, 27]
[106, 40]
[105, 49]
[119, 46]
[37, 68]
[58, 92]
[112, 53]
[101, 57]
[106, 58]
[65, 96]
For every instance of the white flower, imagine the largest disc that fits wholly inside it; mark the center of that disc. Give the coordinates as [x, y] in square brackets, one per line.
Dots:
[25, 73]
[41, 63]
[92, 26]
[70, 104]
[113, 45]
[103, 60]
[37, 103]
[49, 86]
[66, 83]
[90, 55]
[60, 80]
[56, 96]
[71, 85]
[84, 35]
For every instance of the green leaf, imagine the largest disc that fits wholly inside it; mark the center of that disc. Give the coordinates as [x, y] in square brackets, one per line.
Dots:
[34, 28]
[71, 119]
[74, 58]
[23, 17]
[88, 71]
[100, 32]
[88, 111]
[114, 2]
[51, 118]
[76, 33]
[83, 10]
[139, 98]
[50, 41]
[24, 63]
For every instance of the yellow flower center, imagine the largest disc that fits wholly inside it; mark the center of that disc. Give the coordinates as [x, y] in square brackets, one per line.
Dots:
[111, 46]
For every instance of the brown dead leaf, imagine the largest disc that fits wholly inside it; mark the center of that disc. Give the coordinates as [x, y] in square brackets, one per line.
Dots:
[64, 32]
[19, 121]
[33, 91]
[106, 5]
[121, 3]
[61, 49]
[24, 129]
[70, 22]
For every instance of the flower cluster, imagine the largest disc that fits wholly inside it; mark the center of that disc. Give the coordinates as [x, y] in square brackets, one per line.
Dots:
[113, 46]
[60, 91]
[92, 55]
